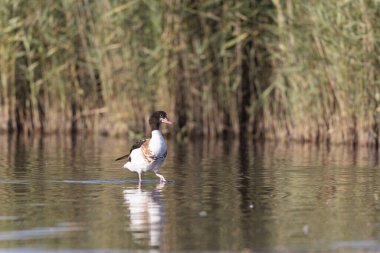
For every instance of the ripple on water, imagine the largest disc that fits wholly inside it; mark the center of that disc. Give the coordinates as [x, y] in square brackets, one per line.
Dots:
[5, 218]
[108, 181]
[38, 232]
[15, 182]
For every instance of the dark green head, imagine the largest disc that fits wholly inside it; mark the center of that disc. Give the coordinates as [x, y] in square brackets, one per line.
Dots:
[157, 118]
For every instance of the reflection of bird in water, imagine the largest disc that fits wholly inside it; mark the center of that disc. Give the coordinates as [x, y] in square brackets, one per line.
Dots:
[146, 214]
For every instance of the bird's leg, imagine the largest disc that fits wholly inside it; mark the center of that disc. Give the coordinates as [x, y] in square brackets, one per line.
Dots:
[162, 179]
[139, 176]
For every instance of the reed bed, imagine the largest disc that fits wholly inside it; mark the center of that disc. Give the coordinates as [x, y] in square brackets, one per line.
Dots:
[292, 70]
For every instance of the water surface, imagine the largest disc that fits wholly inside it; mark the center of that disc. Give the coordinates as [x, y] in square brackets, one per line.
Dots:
[68, 195]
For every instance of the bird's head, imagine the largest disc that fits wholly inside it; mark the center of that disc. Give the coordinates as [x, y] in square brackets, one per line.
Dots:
[157, 118]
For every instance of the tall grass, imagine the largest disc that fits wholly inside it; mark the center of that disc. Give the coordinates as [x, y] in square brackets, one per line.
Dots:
[327, 61]
[304, 70]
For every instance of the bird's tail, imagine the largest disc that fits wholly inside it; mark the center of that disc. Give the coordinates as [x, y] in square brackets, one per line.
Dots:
[127, 165]
[122, 157]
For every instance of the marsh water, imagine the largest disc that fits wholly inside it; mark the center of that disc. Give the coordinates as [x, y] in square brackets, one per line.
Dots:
[68, 195]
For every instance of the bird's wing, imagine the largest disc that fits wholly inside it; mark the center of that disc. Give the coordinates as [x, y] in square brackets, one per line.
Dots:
[146, 152]
[137, 145]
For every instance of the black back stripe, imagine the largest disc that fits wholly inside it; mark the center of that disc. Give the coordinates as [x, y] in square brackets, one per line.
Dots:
[137, 145]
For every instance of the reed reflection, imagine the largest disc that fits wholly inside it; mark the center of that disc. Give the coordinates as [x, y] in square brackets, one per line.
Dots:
[146, 210]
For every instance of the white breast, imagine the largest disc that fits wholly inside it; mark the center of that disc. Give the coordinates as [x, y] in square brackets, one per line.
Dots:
[157, 143]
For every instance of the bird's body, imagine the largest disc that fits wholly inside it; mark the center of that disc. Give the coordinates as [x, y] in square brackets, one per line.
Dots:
[149, 154]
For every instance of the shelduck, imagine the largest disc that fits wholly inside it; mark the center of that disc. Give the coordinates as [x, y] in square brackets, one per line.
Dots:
[149, 154]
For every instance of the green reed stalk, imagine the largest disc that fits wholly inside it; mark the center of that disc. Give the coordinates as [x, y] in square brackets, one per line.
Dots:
[304, 70]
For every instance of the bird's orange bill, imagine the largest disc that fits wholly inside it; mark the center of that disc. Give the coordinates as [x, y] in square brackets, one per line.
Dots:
[167, 121]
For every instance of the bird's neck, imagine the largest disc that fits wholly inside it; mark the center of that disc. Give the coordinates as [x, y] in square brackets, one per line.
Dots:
[156, 134]
[154, 126]
[157, 143]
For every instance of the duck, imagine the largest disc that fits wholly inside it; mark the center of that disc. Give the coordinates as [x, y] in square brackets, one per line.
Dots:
[149, 154]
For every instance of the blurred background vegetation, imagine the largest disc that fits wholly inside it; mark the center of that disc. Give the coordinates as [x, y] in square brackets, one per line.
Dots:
[274, 69]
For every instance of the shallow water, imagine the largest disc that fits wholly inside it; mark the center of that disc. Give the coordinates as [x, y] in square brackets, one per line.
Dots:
[68, 195]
